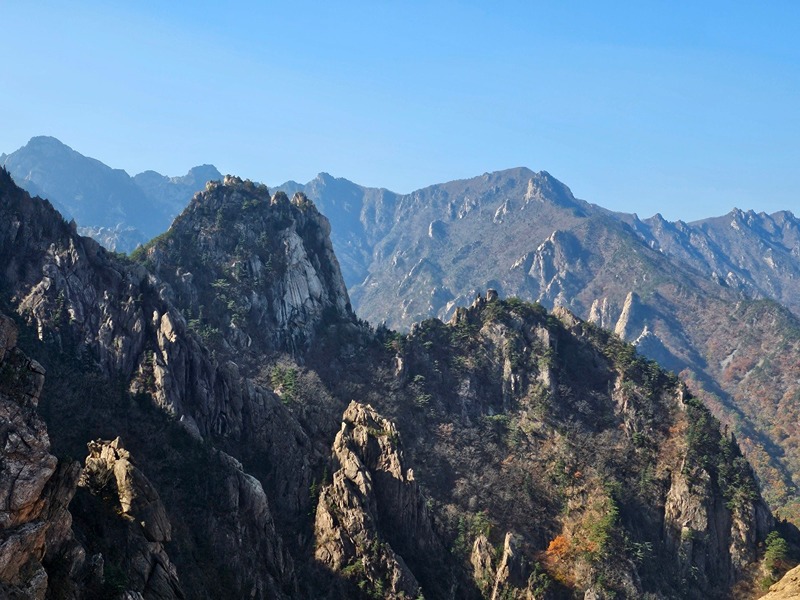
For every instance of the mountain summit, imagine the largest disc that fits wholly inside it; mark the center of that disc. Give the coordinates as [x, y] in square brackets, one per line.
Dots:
[120, 211]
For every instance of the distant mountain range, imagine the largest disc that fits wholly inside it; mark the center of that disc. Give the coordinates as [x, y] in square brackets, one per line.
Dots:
[715, 299]
[707, 299]
[119, 211]
[380, 235]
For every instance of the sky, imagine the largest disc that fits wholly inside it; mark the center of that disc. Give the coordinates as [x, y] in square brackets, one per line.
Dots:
[682, 108]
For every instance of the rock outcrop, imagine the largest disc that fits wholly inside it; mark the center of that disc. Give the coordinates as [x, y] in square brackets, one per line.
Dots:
[35, 490]
[555, 268]
[260, 270]
[512, 572]
[90, 303]
[76, 293]
[708, 536]
[482, 559]
[705, 519]
[373, 512]
[696, 283]
[788, 588]
[110, 474]
[629, 324]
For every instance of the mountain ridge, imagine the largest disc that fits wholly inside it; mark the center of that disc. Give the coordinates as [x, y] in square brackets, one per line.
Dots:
[407, 257]
[119, 210]
[590, 260]
[450, 424]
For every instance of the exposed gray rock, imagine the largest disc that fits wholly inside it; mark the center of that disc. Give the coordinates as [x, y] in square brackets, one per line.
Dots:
[602, 313]
[137, 498]
[373, 508]
[712, 539]
[110, 475]
[481, 561]
[512, 571]
[498, 408]
[629, 325]
[35, 490]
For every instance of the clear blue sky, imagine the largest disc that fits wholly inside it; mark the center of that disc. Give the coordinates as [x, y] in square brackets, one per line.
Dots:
[687, 109]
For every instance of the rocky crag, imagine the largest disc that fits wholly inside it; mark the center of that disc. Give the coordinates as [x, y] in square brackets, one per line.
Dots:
[700, 298]
[247, 436]
[35, 488]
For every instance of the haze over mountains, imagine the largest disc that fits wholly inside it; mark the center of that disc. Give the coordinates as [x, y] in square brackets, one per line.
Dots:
[118, 210]
[751, 252]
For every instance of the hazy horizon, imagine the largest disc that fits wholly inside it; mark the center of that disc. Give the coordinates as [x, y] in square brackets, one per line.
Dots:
[683, 110]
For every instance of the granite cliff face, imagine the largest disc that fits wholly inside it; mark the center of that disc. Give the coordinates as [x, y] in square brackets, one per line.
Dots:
[110, 473]
[212, 376]
[72, 290]
[373, 498]
[34, 488]
[257, 273]
[123, 525]
[80, 299]
[359, 216]
[754, 253]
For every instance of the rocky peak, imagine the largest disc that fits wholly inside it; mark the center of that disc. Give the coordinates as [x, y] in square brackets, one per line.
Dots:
[136, 496]
[200, 174]
[695, 479]
[554, 266]
[324, 178]
[629, 324]
[372, 521]
[47, 143]
[514, 421]
[542, 186]
[118, 316]
[258, 270]
[602, 313]
[110, 474]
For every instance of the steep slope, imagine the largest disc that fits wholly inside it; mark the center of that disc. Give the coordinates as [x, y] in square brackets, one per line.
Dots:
[616, 481]
[755, 253]
[594, 469]
[252, 272]
[119, 211]
[562, 252]
[661, 286]
[35, 489]
[84, 301]
[359, 217]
